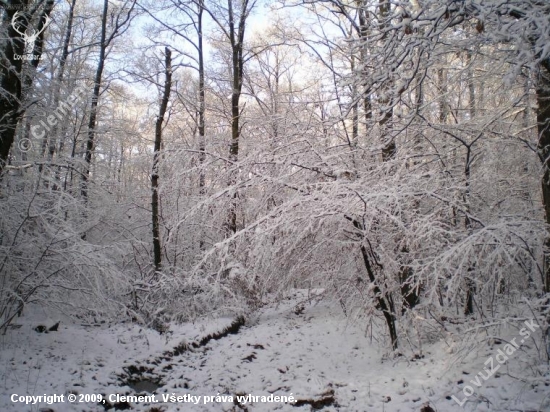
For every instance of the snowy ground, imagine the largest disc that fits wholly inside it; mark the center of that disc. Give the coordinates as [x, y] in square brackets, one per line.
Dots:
[311, 354]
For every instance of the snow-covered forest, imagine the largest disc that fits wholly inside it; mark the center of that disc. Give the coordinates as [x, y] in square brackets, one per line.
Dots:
[348, 201]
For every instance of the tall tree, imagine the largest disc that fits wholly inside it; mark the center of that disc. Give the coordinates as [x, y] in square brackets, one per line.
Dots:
[157, 251]
[120, 21]
[232, 21]
[59, 77]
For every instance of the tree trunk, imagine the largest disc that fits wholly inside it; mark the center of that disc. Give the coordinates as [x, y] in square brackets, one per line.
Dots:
[105, 41]
[202, 107]
[202, 99]
[470, 281]
[442, 86]
[61, 71]
[157, 254]
[92, 122]
[543, 121]
[363, 36]
[236, 38]
[386, 100]
[384, 300]
[59, 82]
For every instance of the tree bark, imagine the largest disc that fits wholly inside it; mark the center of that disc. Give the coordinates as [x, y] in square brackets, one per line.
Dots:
[105, 41]
[202, 98]
[236, 38]
[384, 300]
[386, 100]
[61, 70]
[92, 122]
[52, 143]
[157, 251]
[543, 121]
[235, 34]
[470, 281]
[442, 85]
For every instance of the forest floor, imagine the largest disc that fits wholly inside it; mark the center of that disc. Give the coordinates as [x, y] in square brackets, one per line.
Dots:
[301, 348]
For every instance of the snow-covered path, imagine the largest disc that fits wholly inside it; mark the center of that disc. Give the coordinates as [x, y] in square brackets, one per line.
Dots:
[313, 354]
